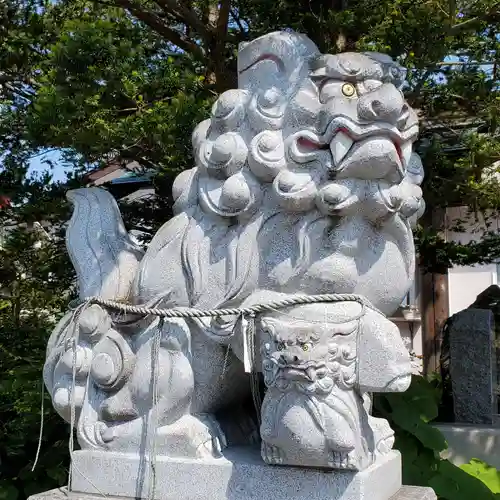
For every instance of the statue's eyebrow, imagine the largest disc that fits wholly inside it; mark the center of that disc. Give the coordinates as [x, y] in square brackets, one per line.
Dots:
[332, 66]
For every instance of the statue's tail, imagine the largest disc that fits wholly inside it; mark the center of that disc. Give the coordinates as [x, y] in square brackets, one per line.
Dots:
[103, 254]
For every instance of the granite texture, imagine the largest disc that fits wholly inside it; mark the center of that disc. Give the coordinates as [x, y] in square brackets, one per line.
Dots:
[305, 182]
[472, 366]
[240, 475]
[405, 493]
[415, 493]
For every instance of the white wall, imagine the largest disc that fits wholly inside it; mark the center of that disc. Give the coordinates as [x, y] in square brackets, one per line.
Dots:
[465, 283]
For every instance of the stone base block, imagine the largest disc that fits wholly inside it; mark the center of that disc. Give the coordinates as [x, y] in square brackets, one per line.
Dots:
[239, 475]
[405, 493]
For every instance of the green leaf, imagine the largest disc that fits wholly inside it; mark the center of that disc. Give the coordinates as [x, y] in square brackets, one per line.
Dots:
[419, 463]
[59, 474]
[422, 396]
[484, 472]
[406, 418]
[8, 491]
[452, 483]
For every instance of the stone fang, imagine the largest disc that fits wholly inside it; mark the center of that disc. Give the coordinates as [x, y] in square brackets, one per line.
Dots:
[340, 146]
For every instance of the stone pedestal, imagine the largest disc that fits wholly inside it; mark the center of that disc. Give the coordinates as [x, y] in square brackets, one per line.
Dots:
[239, 475]
[405, 493]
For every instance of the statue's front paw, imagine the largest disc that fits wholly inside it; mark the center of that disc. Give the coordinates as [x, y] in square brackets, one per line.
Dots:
[271, 454]
[342, 460]
[217, 441]
[399, 384]
[382, 433]
[76, 353]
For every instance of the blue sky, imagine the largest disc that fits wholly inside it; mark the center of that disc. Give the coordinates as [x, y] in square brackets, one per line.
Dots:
[37, 165]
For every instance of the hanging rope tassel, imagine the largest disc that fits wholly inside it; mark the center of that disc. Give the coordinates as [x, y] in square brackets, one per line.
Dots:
[40, 435]
[73, 343]
[249, 339]
[75, 321]
[154, 414]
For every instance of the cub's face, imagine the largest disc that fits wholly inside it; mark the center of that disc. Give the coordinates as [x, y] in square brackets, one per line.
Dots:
[307, 356]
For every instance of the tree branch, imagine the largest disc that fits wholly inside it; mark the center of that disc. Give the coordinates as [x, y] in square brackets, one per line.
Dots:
[237, 20]
[103, 2]
[157, 24]
[452, 9]
[223, 20]
[185, 14]
[419, 85]
[490, 15]
[19, 92]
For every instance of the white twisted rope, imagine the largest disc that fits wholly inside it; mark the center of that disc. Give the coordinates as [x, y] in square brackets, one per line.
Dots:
[189, 312]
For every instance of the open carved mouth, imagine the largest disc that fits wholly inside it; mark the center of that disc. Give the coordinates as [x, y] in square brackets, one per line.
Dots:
[309, 374]
[345, 140]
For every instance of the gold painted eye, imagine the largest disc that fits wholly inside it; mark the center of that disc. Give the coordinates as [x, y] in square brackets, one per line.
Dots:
[306, 347]
[349, 90]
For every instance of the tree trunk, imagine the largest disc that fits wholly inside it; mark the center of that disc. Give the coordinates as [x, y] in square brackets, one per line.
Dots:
[219, 73]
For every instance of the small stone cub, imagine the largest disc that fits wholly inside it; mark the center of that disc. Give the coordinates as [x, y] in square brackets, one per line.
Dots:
[311, 415]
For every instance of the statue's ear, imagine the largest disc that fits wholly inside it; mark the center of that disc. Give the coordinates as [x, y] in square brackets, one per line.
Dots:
[280, 59]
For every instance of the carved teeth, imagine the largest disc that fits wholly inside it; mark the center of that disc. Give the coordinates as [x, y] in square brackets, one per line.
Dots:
[339, 146]
[406, 151]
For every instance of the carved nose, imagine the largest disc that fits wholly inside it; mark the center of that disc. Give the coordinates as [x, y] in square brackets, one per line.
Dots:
[385, 104]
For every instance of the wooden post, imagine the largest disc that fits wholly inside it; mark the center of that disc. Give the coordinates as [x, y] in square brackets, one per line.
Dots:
[435, 312]
[434, 306]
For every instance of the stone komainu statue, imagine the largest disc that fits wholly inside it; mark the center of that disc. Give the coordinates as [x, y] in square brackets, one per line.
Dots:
[305, 183]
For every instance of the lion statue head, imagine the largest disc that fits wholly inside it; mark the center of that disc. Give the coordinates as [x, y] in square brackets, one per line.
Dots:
[305, 179]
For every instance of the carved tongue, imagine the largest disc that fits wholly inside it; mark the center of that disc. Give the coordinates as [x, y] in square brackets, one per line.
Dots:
[340, 146]
[373, 158]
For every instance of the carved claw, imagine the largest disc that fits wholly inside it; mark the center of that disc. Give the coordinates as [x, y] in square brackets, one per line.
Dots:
[271, 454]
[341, 460]
[219, 441]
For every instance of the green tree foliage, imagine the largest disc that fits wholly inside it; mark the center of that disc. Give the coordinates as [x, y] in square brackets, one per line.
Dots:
[485, 473]
[128, 80]
[36, 281]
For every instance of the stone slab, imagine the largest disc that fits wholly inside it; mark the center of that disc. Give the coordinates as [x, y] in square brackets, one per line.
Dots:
[405, 493]
[415, 493]
[467, 441]
[472, 366]
[239, 475]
